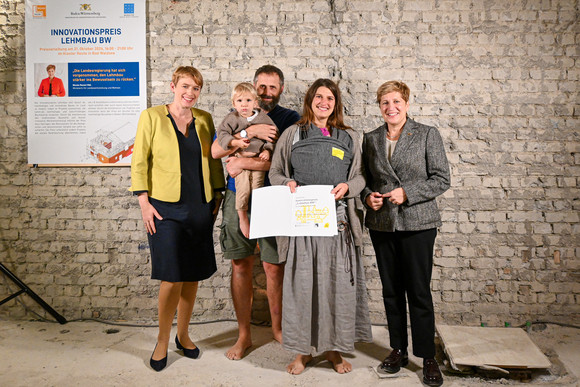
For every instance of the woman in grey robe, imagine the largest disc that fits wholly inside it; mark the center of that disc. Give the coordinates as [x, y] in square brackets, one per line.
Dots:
[324, 295]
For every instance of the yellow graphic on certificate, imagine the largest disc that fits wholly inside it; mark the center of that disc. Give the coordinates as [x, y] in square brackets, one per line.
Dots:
[310, 214]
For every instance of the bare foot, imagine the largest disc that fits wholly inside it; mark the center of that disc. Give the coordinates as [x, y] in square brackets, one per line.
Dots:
[239, 349]
[244, 223]
[338, 363]
[299, 364]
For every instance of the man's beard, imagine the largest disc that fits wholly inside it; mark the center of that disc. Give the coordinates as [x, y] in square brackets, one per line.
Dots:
[269, 105]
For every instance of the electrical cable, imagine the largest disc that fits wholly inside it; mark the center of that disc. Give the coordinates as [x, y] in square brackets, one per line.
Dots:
[262, 323]
[117, 323]
[550, 322]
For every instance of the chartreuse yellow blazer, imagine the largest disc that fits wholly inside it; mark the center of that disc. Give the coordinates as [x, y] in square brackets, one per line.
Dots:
[155, 165]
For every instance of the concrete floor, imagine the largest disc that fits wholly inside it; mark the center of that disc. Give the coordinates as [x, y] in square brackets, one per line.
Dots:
[96, 354]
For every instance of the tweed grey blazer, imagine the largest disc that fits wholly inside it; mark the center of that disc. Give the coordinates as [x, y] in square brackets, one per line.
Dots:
[418, 165]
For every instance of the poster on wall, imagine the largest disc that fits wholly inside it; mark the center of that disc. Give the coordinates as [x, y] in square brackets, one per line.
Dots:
[85, 80]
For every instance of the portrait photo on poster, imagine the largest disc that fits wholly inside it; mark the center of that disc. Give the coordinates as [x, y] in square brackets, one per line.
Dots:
[51, 79]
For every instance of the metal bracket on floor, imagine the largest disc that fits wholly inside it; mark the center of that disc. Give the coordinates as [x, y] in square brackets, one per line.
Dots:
[27, 290]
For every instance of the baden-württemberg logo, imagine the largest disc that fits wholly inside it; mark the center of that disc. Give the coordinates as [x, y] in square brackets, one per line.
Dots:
[85, 9]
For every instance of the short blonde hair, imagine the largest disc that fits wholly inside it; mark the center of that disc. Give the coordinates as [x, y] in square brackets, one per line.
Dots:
[244, 87]
[187, 71]
[391, 86]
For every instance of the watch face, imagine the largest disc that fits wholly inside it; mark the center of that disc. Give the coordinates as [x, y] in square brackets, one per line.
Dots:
[243, 133]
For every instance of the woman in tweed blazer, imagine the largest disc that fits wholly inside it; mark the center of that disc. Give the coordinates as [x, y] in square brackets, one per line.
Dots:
[406, 169]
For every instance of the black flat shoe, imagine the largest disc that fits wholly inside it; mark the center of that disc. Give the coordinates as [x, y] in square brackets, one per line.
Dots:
[190, 353]
[158, 365]
[392, 364]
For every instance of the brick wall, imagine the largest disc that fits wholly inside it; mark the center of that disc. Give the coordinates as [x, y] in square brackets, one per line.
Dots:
[499, 79]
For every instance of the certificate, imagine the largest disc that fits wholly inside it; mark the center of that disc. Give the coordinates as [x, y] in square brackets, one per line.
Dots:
[310, 211]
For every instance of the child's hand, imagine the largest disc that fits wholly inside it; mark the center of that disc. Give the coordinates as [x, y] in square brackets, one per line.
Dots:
[240, 143]
[264, 155]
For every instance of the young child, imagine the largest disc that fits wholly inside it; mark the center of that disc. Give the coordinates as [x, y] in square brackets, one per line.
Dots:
[246, 113]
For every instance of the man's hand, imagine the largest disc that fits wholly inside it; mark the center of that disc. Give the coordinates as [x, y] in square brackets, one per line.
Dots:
[233, 166]
[263, 132]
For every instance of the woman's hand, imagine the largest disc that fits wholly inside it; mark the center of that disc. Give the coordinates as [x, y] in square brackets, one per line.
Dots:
[339, 191]
[218, 202]
[375, 200]
[397, 196]
[292, 184]
[148, 212]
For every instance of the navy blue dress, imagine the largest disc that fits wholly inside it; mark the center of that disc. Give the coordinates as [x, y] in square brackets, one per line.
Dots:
[182, 248]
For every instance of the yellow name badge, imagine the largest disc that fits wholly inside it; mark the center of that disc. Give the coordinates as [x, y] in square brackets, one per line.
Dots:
[338, 153]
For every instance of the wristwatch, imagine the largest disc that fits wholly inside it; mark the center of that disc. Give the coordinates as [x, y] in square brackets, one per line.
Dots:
[244, 134]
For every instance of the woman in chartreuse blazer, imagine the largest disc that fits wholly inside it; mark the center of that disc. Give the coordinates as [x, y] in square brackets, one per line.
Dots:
[179, 187]
[406, 169]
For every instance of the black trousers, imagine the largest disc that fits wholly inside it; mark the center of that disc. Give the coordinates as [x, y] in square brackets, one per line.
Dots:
[405, 263]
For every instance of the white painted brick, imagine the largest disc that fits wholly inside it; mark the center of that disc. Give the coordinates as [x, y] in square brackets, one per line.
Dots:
[502, 97]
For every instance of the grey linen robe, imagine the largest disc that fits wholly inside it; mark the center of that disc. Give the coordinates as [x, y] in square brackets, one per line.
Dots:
[321, 308]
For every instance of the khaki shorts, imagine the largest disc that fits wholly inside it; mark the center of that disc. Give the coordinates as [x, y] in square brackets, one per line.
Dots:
[234, 244]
